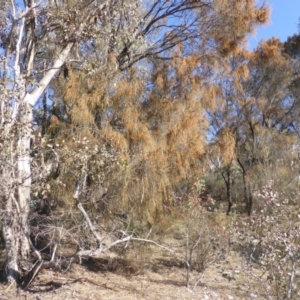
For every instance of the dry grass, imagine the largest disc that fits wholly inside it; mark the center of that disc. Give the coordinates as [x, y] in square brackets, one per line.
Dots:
[144, 271]
[161, 277]
[93, 282]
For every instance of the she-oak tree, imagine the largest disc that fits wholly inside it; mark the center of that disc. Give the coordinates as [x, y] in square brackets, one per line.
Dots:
[260, 103]
[37, 39]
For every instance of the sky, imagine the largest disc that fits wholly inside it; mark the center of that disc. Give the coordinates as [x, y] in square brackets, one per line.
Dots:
[284, 21]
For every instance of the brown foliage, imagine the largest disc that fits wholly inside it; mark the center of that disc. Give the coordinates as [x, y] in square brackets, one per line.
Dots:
[160, 139]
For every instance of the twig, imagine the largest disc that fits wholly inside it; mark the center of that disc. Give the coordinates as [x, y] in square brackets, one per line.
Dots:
[53, 253]
[154, 243]
[290, 285]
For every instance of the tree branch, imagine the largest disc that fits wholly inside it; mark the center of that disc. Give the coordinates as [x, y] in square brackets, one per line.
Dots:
[33, 97]
[91, 226]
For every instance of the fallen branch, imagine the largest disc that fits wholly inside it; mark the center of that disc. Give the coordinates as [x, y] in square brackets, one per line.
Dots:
[154, 243]
[65, 263]
[90, 224]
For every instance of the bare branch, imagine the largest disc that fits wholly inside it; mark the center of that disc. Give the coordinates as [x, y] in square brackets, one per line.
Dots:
[154, 243]
[28, 11]
[91, 226]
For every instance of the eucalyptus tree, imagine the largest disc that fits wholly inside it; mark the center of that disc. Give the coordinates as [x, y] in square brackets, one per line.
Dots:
[39, 39]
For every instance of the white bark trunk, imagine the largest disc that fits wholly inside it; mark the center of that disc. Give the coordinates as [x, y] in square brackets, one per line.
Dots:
[33, 97]
[15, 225]
[24, 176]
[17, 199]
[9, 225]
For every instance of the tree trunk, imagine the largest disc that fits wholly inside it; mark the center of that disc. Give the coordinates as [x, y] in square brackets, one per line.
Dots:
[9, 228]
[247, 190]
[250, 199]
[226, 175]
[15, 227]
[247, 194]
[24, 176]
[15, 222]
[228, 191]
[16, 243]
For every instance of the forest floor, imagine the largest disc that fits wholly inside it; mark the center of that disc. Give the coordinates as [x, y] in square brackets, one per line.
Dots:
[116, 279]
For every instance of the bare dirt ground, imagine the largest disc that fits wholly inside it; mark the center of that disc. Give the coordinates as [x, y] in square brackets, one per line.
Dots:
[115, 279]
